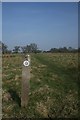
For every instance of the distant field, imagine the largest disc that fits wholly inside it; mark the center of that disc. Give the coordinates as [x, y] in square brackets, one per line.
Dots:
[53, 86]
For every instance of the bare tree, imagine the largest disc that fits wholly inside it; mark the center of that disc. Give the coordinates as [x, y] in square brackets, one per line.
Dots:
[4, 48]
[16, 49]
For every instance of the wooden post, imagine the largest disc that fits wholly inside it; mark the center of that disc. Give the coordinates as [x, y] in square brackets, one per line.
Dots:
[25, 81]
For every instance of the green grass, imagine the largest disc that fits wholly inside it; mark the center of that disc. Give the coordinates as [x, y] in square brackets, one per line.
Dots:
[53, 86]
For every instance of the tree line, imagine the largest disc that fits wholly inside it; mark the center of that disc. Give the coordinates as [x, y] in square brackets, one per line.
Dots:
[33, 48]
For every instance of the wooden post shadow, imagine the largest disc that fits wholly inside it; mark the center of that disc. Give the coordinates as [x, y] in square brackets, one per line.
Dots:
[15, 96]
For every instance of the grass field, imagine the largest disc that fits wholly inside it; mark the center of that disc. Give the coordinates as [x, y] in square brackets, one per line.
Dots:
[53, 86]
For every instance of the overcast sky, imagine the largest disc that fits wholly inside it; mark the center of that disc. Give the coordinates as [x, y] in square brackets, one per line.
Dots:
[49, 25]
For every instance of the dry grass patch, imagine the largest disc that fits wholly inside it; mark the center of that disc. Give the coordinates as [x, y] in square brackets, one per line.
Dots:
[44, 107]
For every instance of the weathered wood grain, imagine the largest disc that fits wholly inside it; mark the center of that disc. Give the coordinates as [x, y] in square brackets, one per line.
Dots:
[25, 84]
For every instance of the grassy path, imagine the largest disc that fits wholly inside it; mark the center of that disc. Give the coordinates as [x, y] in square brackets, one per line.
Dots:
[69, 76]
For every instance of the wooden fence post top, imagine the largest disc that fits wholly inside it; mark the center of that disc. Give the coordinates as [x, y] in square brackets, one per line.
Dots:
[26, 62]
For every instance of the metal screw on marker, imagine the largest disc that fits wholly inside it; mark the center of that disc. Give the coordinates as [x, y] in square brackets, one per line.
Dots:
[26, 63]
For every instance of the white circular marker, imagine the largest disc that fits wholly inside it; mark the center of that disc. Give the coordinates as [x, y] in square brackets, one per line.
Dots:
[26, 63]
